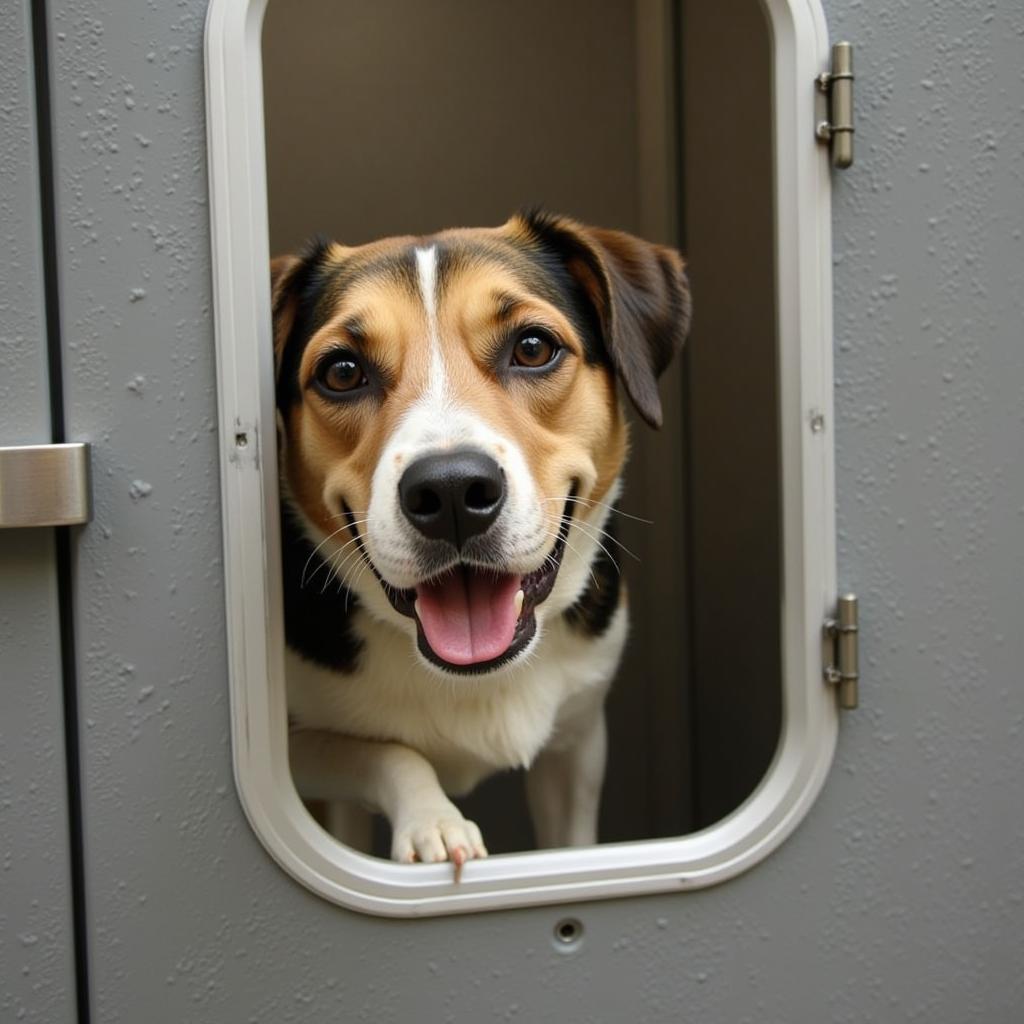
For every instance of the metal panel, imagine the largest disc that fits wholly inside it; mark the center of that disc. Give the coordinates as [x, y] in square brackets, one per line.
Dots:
[36, 960]
[900, 896]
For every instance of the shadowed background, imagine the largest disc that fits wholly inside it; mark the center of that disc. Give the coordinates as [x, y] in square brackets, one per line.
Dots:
[404, 118]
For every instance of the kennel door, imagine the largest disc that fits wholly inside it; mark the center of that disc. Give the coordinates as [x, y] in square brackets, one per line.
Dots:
[36, 945]
[898, 897]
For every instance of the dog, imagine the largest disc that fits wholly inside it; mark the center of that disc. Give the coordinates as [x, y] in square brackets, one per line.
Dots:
[451, 444]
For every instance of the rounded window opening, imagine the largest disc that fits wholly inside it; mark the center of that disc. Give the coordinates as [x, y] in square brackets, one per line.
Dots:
[404, 118]
[735, 575]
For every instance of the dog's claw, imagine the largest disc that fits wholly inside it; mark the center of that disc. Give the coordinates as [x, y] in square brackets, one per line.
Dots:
[459, 857]
[438, 836]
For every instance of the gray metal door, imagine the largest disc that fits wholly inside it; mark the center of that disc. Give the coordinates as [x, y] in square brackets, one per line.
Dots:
[37, 978]
[899, 897]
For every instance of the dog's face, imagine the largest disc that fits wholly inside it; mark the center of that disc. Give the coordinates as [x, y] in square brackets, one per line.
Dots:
[449, 421]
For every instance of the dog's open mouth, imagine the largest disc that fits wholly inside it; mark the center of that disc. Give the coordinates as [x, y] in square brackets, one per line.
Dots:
[473, 619]
[469, 615]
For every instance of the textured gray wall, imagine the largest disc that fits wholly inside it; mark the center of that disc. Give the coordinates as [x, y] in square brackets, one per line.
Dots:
[901, 895]
[36, 976]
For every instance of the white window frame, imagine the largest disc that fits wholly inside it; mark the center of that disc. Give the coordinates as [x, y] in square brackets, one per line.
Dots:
[255, 628]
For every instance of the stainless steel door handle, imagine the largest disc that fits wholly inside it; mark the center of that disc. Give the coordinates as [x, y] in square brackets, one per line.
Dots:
[45, 485]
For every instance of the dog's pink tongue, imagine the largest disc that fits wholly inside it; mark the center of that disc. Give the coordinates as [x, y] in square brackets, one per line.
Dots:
[469, 616]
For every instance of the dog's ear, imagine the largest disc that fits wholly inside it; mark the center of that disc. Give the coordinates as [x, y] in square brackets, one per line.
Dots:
[293, 279]
[283, 301]
[639, 293]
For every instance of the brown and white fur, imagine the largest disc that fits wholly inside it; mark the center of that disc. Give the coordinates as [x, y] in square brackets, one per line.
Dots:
[407, 348]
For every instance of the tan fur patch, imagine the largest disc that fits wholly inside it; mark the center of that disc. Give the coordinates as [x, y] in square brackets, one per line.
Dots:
[568, 422]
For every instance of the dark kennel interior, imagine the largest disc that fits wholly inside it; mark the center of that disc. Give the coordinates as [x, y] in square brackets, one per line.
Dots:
[404, 117]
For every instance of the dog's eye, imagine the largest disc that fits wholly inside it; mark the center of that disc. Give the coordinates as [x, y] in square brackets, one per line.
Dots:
[534, 348]
[340, 374]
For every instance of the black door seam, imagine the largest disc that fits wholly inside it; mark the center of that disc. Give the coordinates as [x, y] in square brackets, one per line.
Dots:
[65, 575]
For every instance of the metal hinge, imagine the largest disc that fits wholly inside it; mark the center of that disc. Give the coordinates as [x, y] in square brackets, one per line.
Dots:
[837, 86]
[844, 670]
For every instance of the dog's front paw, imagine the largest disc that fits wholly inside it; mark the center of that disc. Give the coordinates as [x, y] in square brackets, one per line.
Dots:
[440, 833]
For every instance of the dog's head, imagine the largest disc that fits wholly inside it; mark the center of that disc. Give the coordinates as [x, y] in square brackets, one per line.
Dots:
[449, 423]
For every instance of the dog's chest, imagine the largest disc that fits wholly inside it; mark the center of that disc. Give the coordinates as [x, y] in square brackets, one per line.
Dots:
[469, 727]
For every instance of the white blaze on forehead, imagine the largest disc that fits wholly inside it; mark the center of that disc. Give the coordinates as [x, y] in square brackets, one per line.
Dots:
[435, 421]
[426, 272]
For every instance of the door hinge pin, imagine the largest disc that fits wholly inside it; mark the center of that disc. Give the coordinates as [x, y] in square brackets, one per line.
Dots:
[844, 670]
[837, 86]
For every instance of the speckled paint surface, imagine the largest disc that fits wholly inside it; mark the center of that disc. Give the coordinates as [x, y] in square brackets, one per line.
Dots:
[899, 898]
[36, 980]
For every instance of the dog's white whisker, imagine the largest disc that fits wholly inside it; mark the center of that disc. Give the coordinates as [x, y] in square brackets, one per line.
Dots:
[340, 529]
[594, 539]
[336, 562]
[583, 524]
[587, 562]
[588, 503]
[352, 560]
[359, 575]
[356, 554]
[325, 560]
[593, 533]
[315, 550]
[586, 527]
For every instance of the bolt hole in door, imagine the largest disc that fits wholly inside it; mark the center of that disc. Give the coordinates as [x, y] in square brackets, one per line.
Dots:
[568, 935]
[405, 118]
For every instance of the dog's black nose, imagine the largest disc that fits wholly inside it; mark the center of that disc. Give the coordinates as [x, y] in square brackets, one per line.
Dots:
[452, 495]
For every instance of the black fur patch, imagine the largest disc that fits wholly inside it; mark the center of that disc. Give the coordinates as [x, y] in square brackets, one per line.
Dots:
[638, 295]
[592, 613]
[316, 288]
[549, 276]
[317, 615]
[304, 288]
[541, 270]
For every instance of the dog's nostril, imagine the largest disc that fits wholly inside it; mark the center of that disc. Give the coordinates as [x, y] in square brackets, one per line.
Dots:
[482, 494]
[425, 502]
[452, 495]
